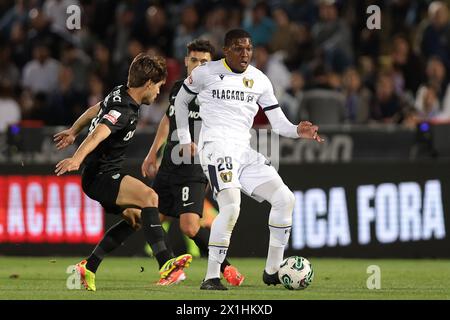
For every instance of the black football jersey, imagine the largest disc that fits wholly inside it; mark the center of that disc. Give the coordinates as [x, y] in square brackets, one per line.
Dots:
[167, 163]
[120, 113]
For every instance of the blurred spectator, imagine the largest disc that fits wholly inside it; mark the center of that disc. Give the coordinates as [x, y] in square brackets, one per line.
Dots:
[387, 106]
[96, 89]
[79, 63]
[283, 35]
[357, 98]
[407, 64]
[35, 107]
[301, 51]
[234, 18]
[273, 67]
[19, 48]
[17, 14]
[121, 33]
[9, 108]
[41, 33]
[440, 87]
[8, 71]
[302, 11]
[335, 81]
[332, 36]
[156, 31]
[97, 15]
[428, 106]
[186, 31]
[436, 75]
[261, 27]
[291, 100]
[134, 47]
[103, 66]
[368, 43]
[404, 14]
[215, 28]
[367, 70]
[41, 73]
[322, 104]
[67, 103]
[436, 35]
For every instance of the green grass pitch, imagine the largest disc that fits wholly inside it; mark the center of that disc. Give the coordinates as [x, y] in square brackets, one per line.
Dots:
[121, 278]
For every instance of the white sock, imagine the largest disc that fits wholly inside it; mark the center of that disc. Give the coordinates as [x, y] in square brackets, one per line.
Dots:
[221, 229]
[274, 259]
[215, 258]
[278, 240]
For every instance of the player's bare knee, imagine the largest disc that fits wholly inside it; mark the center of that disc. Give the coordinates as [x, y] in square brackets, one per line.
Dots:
[150, 198]
[190, 230]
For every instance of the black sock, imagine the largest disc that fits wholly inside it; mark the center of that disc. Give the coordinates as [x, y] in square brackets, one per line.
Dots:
[201, 240]
[154, 234]
[168, 244]
[112, 239]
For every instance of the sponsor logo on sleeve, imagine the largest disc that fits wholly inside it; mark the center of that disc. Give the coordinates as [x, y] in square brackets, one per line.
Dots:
[112, 116]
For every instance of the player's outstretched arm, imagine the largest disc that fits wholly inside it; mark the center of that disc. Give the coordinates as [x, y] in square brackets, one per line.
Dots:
[284, 127]
[100, 133]
[278, 120]
[149, 166]
[67, 137]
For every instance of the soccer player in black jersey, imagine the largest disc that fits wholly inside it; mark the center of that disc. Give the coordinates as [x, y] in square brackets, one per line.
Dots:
[112, 125]
[181, 187]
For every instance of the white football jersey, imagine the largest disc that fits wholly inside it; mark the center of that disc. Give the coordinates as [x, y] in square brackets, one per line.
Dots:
[228, 100]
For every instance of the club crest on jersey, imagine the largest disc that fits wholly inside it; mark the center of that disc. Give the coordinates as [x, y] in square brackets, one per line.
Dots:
[248, 83]
[112, 116]
[226, 176]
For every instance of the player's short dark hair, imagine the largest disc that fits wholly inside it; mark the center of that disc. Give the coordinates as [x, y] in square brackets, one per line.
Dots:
[201, 45]
[235, 34]
[145, 67]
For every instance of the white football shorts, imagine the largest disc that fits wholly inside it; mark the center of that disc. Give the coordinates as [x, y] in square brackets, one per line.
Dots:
[229, 165]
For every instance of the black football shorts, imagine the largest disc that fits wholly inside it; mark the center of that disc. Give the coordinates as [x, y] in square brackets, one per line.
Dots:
[104, 188]
[178, 195]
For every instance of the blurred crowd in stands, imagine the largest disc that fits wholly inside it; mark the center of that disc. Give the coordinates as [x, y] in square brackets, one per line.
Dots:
[325, 64]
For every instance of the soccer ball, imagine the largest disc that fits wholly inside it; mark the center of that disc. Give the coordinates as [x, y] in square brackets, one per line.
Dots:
[296, 273]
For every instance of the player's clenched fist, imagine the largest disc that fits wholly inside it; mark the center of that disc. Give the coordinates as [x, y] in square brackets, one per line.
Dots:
[67, 165]
[307, 130]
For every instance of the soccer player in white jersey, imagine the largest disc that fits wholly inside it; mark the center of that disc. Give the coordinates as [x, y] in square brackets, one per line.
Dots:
[229, 92]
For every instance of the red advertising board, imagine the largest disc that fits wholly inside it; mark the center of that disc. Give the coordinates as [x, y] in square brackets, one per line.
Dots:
[48, 209]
